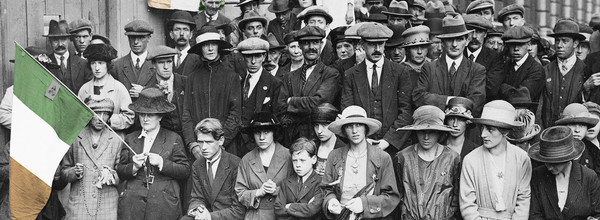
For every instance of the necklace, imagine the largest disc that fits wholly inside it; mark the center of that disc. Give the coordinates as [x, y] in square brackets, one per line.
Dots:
[356, 157]
[82, 191]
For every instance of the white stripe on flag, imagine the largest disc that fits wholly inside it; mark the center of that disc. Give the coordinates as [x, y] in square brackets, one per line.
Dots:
[34, 143]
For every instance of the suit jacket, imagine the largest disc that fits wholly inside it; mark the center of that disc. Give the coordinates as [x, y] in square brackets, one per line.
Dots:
[551, 108]
[395, 94]
[172, 120]
[328, 54]
[200, 19]
[188, 65]
[592, 65]
[161, 200]
[493, 63]
[78, 72]
[278, 31]
[124, 72]
[530, 75]
[435, 84]
[267, 92]
[583, 198]
[305, 200]
[282, 71]
[219, 198]
[322, 86]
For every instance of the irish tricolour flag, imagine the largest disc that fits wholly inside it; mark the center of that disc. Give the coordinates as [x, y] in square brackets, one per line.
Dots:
[46, 119]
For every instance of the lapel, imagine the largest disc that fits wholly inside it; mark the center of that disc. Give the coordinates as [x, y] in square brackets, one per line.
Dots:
[305, 187]
[159, 142]
[261, 88]
[128, 68]
[277, 162]
[443, 67]
[387, 82]
[257, 167]
[577, 82]
[549, 189]
[373, 166]
[362, 84]
[484, 56]
[86, 144]
[313, 78]
[223, 171]
[146, 73]
[575, 186]
[294, 82]
[103, 144]
[460, 76]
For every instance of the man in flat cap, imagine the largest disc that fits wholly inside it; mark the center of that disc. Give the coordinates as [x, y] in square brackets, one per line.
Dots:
[181, 26]
[475, 51]
[564, 76]
[493, 39]
[320, 17]
[485, 8]
[308, 87]
[381, 87]
[209, 11]
[512, 15]
[452, 74]
[132, 70]
[73, 71]
[274, 57]
[81, 35]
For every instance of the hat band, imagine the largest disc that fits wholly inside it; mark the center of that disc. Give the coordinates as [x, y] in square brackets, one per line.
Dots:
[500, 115]
[550, 149]
[458, 110]
[208, 37]
[454, 29]
[356, 116]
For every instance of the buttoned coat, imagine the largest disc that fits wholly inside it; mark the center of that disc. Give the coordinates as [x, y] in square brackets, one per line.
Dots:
[493, 63]
[385, 197]
[529, 75]
[305, 200]
[592, 65]
[78, 72]
[396, 91]
[161, 200]
[267, 92]
[122, 117]
[551, 109]
[219, 198]
[322, 86]
[583, 197]
[124, 72]
[435, 84]
[250, 177]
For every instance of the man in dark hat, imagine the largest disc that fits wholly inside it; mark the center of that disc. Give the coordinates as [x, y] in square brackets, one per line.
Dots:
[512, 15]
[564, 76]
[562, 189]
[132, 70]
[381, 87]
[435, 48]
[452, 74]
[376, 15]
[393, 47]
[397, 13]
[180, 26]
[209, 11]
[73, 71]
[584, 46]
[319, 17]
[283, 22]
[485, 8]
[305, 88]
[249, 10]
[213, 90]
[417, 9]
[274, 57]
[493, 39]
[81, 33]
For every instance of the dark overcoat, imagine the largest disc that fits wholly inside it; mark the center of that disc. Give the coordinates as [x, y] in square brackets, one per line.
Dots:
[530, 75]
[492, 61]
[552, 95]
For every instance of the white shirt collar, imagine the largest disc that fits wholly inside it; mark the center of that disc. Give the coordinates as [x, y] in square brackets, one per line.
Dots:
[184, 52]
[214, 18]
[149, 138]
[274, 71]
[475, 53]
[450, 60]
[562, 186]
[141, 56]
[569, 62]
[66, 59]
[254, 80]
[370, 70]
[519, 63]
[214, 162]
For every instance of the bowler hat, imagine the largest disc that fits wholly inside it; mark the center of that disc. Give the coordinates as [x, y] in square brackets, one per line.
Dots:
[103, 105]
[592, 107]
[152, 101]
[376, 14]
[511, 9]
[567, 27]
[396, 38]
[418, 35]
[527, 131]
[517, 34]
[477, 5]
[102, 38]
[250, 17]
[459, 107]
[262, 120]
[278, 6]
[520, 98]
[453, 25]
[58, 29]
[375, 32]
[139, 28]
[435, 10]
[427, 117]
[354, 115]
[576, 113]
[273, 42]
[556, 145]
[161, 51]
[435, 26]
[80, 24]
[310, 33]
[477, 21]
[253, 45]
[337, 35]
[103, 52]
[324, 113]
[498, 113]
[398, 8]
[315, 11]
[208, 34]
[289, 37]
[183, 17]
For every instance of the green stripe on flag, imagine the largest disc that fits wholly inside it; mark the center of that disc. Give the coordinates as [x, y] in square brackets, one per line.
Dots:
[66, 114]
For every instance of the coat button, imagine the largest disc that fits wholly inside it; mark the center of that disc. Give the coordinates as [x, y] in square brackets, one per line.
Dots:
[378, 209]
[372, 210]
[93, 195]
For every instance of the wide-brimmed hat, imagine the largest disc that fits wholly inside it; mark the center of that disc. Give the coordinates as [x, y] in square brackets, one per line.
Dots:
[427, 117]
[273, 42]
[103, 105]
[376, 14]
[80, 24]
[208, 34]
[152, 101]
[103, 52]
[414, 36]
[398, 8]
[527, 131]
[396, 38]
[351, 115]
[453, 25]
[58, 29]
[183, 17]
[324, 113]
[592, 107]
[435, 10]
[161, 51]
[315, 11]
[520, 98]
[253, 45]
[477, 5]
[278, 6]
[250, 17]
[568, 28]
[460, 107]
[498, 113]
[375, 32]
[262, 120]
[576, 113]
[556, 145]
[138, 28]
[511, 9]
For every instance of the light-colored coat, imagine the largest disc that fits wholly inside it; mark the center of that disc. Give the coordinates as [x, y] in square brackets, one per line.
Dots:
[122, 117]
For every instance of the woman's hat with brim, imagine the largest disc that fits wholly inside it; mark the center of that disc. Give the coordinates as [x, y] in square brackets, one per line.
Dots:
[208, 34]
[337, 35]
[526, 132]
[152, 101]
[459, 107]
[414, 36]
[273, 42]
[453, 26]
[278, 6]
[354, 115]
[250, 17]
[556, 145]
[262, 120]
[398, 8]
[427, 118]
[103, 105]
[289, 37]
[58, 29]
[568, 28]
[576, 113]
[103, 52]
[592, 107]
[498, 113]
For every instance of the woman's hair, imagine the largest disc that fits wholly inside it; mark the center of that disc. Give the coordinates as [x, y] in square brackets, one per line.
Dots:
[346, 125]
[303, 143]
[210, 126]
[108, 64]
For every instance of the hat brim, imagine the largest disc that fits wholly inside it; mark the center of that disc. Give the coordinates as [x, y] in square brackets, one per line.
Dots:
[521, 40]
[160, 108]
[197, 49]
[537, 130]
[245, 21]
[375, 39]
[272, 10]
[309, 38]
[336, 126]
[485, 121]
[480, 7]
[73, 31]
[576, 36]
[397, 14]
[135, 33]
[173, 21]
[392, 43]
[590, 122]
[248, 52]
[425, 128]
[458, 115]
[57, 35]
[534, 153]
[416, 44]
[277, 47]
[452, 35]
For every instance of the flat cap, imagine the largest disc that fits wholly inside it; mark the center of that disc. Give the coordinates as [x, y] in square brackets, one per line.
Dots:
[310, 33]
[290, 37]
[517, 34]
[511, 9]
[477, 21]
[104, 105]
[375, 32]
[138, 27]
[253, 45]
[161, 51]
[352, 31]
[477, 5]
[80, 24]
[315, 11]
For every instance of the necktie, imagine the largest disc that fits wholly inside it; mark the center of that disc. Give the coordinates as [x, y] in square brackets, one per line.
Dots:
[471, 57]
[210, 18]
[247, 86]
[563, 68]
[374, 80]
[452, 69]
[211, 177]
[178, 60]
[63, 67]
[137, 63]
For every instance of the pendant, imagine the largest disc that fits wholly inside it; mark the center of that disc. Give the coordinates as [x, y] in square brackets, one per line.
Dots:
[500, 175]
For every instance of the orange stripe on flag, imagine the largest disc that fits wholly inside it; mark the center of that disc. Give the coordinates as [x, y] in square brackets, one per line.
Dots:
[160, 4]
[28, 193]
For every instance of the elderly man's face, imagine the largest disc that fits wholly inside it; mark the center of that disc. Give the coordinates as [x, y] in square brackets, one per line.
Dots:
[513, 20]
[81, 40]
[455, 46]
[565, 47]
[417, 54]
[210, 50]
[396, 20]
[435, 48]
[517, 51]
[344, 50]
[294, 50]
[272, 60]
[138, 44]
[477, 39]
[251, 6]
[495, 43]
[164, 67]
[318, 21]
[485, 13]
[583, 50]
[181, 33]
[211, 6]
[254, 61]
[396, 54]
[311, 49]
[59, 44]
[283, 17]
[374, 50]
[418, 12]
[254, 29]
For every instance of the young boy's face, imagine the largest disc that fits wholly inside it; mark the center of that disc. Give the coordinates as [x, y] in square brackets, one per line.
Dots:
[303, 163]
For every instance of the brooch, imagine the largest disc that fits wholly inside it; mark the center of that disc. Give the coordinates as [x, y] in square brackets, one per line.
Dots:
[265, 88]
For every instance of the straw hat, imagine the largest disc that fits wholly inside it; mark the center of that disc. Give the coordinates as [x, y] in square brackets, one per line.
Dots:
[498, 113]
[576, 113]
[427, 117]
[556, 145]
[153, 101]
[354, 114]
[414, 36]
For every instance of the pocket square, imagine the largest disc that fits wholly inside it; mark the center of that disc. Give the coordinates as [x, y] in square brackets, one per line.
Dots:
[267, 99]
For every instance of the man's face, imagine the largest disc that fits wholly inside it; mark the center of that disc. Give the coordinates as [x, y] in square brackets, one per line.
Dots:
[208, 145]
[99, 68]
[368, 5]
[396, 20]
[477, 39]
[396, 54]
[181, 34]
[254, 29]
[210, 50]
[557, 168]
[305, 3]
[164, 67]
[272, 60]
[264, 138]
[374, 50]
[138, 44]
[583, 50]
[295, 51]
[417, 54]
[458, 124]
[251, 6]
[435, 48]
[533, 50]
[486, 13]
[579, 130]
[495, 43]
[417, 12]
[59, 44]
[81, 40]
[211, 6]
[283, 17]
[565, 47]
[517, 51]
[323, 133]
[592, 133]
[513, 20]
[455, 46]
[344, 50]
[311, 49]
[491, 136]
[318, 21]
[302, 162]
[96, 123]
[428, 138]
[254, 61]
[149, 121]
[356, 133]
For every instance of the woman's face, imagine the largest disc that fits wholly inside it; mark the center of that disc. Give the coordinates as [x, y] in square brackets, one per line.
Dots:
[592, 132]
[458, 124]
[491, 136]
[356, 133]
[295, 51]
[99, 68]
[150, 121]
[322, 132]
[428, 138]
[264, 138]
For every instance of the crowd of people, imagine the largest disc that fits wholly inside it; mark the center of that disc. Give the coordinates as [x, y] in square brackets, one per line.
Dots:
[411, 110]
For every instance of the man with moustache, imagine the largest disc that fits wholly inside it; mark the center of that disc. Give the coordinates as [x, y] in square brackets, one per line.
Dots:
[81, 35]
[493, 39]
[435, 48]
[273, 57]
[73, 71]
[397, 13]
[393, 47]
[209, 11]
[452, 74]
[380, 86]
[180, 26]
[416, 43]
[319, 17]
